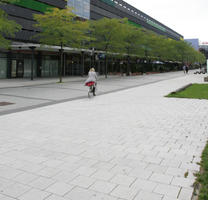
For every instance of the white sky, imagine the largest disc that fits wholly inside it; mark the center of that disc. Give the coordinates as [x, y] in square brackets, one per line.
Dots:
[187, 17]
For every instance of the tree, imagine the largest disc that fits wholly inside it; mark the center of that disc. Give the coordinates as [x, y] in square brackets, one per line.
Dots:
[61, 27]
[133, 38]
[8, 28]
[106, 34]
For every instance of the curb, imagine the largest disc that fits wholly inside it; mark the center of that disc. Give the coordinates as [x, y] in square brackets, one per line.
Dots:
[182, 88]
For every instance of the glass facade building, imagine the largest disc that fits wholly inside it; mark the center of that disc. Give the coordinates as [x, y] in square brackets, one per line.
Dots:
[17, 61]
[81, 8]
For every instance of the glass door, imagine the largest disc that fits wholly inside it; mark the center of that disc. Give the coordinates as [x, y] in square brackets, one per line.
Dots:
[20, 68]
[14, 69]
[17, 70]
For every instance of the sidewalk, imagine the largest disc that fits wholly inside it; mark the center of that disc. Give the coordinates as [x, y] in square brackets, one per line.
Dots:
[129, 145]
[23, 94]
[25, 82]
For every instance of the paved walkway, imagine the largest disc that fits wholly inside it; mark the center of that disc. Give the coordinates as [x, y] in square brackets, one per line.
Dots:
[128, 145]
[24, 94]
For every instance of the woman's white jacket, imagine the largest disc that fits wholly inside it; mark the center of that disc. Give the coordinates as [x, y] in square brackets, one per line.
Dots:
[92, 76]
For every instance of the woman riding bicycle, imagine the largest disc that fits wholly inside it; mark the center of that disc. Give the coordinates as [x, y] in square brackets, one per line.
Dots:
[92, 79]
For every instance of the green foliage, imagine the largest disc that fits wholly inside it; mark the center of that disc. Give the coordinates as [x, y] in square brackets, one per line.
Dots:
[186, 175]
[117, 35]
[203, 176]
[133, 39]
[8, 28]
[185, 53]
[106, 34]
[152, 44]
[196, 91]
[60, 27]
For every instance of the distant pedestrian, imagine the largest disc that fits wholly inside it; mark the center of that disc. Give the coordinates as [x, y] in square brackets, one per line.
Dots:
[187, 69]
[200, 69]
[184, 68]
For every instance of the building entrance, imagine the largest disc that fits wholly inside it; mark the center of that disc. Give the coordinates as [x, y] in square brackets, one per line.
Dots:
[17, 70]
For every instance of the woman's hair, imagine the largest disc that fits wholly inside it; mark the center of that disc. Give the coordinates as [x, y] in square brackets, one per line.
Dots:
[92, 69]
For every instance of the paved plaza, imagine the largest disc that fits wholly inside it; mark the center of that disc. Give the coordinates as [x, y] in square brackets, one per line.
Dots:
[24, 94]
[133, 144]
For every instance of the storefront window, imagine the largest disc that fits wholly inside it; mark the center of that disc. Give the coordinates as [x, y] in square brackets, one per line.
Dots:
[27, 67]
[81, 7]
[49, 67]
[3, 68]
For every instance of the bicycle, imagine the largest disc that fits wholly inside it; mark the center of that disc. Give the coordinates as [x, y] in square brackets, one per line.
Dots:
[91, 89]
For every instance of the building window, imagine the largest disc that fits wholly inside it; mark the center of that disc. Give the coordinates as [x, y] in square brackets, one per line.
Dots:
[81, 7]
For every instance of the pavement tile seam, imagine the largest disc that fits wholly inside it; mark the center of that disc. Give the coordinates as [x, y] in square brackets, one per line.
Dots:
[81, 96]
[162, 129]
[25, 97]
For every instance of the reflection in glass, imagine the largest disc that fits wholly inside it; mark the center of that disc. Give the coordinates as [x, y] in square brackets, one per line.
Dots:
[81, 7]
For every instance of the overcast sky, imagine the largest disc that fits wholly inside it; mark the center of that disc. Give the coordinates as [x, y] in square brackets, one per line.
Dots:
[187, 17]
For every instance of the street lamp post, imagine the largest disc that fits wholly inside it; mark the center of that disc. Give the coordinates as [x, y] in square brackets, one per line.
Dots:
[98, 59]
[106, 66]
[92, 57]
[82, 70]
[145, 61]
[128, 66]
[61, 63]
[121, 67]
[33, 50]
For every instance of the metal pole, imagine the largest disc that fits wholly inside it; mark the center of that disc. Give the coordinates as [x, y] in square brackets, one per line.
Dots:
[61, 63]
[32, 64]
[93, 57]
[64, 62]
[32, 48]
[106, 66]
[128, 63]
[99, 66]
[82, 71]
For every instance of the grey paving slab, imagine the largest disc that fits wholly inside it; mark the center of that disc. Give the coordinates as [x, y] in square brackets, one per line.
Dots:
[27, 94]
[134, 143]
[19, 102]
[48, 94]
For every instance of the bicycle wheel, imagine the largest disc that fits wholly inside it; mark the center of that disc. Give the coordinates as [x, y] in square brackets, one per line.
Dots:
[89, 91]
